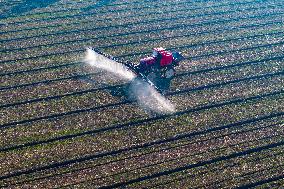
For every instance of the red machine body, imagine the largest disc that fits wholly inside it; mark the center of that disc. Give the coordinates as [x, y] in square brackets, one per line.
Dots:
[148, 61]
[161, 64]
[167, 57]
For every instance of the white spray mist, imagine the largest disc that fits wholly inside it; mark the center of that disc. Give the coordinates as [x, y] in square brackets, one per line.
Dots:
[101, 62]
[146, 95]
[149, 98]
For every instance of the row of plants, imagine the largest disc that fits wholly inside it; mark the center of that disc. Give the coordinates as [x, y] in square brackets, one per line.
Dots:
[122, 11]
[44, 63]
[99, 142]
[277, 183]
[43, 10]
[98, 27]
[218, 174]
[51, 60]
[75, 15]
[193, 51]
[49, 89]
[65, 86]
[159, 148]
[57, 9]
[147, 127]
[43, 108]
[92, 31]
[87, 24]
[132, 38]
[194, 80]
[265, 87]
[94, 164]
[280, 30]
[55, 106]
[171, 165]
[53, 9]
[89, 135]
[219, 59]
[57, 178]
[51, 74]
[41, 75]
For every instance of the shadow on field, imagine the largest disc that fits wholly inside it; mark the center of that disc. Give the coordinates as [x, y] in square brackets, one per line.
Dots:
[28, 5]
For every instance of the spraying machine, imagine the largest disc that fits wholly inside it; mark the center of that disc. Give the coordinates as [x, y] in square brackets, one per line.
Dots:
[154, 69]
[161, 65]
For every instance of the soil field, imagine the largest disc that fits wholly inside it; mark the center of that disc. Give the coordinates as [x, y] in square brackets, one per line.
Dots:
[63, 126]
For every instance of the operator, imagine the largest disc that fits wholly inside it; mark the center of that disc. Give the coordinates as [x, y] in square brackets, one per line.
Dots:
[162, 58]
[158, 57]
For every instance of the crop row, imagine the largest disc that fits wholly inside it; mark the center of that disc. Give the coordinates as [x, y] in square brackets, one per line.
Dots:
[273, 182]
[109, 14]
[151, 171]
[45, 54]
[40, 63]
[257, 57]
[51, 60]
[133, 162]
[65, 126]
[246, 171]
[59, 7]
[99, 142]
[180, 83]
[86, 7]
[58, 53]
[261, 48]
[57, 177]
[87, 24]
[39, 130]
[75, 16]
[69, 71]
[137, 26]
[144, 152]
[195, 80]
[132, 39]
[203, 49]
[47, 75]
[194, 50]
[267, 169]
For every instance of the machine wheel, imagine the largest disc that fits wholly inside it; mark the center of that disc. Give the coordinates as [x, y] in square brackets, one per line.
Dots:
[170, 72]
[152, 76]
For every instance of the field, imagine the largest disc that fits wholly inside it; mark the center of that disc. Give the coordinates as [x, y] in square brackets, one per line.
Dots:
[62, 127]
